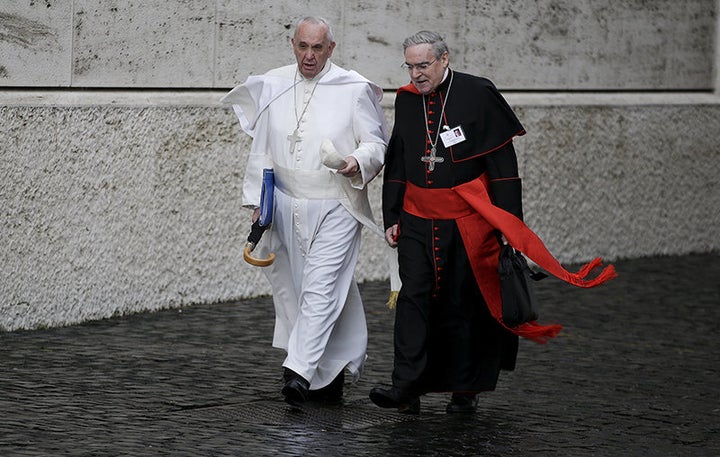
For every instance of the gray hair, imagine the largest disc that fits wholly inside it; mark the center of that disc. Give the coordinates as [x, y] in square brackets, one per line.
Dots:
[425, 37]
[316, 20]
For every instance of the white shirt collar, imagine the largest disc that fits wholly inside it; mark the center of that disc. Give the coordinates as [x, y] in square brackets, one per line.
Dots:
[447, 71]
[322, 73]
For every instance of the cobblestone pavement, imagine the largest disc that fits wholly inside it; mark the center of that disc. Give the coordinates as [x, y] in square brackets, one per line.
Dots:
[634, 373]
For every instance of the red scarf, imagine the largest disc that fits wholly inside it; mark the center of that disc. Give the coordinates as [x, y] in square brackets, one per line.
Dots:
[477, 218]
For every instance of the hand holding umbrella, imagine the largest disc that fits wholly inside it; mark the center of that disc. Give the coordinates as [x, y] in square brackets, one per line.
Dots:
[262, 218]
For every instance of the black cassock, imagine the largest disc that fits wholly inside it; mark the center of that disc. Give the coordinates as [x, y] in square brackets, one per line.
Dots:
[445, 338]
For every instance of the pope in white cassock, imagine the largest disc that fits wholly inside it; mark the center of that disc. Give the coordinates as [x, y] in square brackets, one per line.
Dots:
[322, 131]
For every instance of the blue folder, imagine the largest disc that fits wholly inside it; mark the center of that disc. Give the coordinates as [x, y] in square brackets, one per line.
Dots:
[266, 197]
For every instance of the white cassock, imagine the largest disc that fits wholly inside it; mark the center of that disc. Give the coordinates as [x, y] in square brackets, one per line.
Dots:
[318, 214]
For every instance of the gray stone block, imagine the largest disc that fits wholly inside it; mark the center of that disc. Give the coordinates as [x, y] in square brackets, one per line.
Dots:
[522, 45]
[35, 44]
[143, 44]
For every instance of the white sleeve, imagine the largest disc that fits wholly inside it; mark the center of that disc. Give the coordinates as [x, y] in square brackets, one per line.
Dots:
[371, 135]
[258, 159]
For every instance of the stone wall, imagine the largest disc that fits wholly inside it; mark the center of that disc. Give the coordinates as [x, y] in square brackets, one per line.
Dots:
[120, 175]
[522, 44]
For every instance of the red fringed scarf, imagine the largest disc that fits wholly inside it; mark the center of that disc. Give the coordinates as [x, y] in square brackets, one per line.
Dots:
[477, 218]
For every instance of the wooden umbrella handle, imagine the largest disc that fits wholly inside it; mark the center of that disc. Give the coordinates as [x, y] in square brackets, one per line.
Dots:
[254, 260]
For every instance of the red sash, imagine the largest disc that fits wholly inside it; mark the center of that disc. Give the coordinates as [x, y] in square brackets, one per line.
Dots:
[477, 218]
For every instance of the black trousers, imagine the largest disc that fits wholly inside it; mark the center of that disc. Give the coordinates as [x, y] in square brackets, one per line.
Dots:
[445, 338]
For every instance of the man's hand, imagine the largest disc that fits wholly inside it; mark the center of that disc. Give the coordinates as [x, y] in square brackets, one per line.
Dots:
[255, 215]
[391, 235]
[351, 167]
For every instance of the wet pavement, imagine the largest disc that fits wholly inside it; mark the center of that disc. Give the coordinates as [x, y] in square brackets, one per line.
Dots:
[635, 372]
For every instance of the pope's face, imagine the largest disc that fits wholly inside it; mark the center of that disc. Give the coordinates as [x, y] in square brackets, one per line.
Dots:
[312, 48]
[428, 79]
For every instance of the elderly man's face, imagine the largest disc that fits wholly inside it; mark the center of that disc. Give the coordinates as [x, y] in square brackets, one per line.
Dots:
[312, 48]
[426, 79]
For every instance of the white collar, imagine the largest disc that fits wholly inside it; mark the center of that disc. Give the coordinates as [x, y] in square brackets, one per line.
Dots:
[447, 71]
[318, 76]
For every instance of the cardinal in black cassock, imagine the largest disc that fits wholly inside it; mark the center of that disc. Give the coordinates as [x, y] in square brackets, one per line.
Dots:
[451, 195]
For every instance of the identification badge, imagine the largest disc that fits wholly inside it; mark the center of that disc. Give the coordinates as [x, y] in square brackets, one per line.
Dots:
[453, 136]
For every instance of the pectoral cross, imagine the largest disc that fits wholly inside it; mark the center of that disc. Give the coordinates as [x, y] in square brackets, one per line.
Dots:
[431, 159]
[294, 138]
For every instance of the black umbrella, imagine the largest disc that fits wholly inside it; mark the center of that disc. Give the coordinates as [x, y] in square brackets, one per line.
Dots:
[256, 232]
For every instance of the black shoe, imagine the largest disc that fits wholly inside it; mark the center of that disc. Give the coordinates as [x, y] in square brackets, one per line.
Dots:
[288, 374]
[332, 393]
[462, 403]
[296, 389]
[393, 397]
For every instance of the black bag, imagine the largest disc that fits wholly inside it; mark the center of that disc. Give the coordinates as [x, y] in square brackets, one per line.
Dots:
[519, 304]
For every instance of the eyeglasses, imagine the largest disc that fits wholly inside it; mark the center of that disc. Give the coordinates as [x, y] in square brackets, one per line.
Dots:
[419, 66]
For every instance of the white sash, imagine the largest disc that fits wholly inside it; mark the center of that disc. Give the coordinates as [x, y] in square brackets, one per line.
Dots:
[308, 184]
